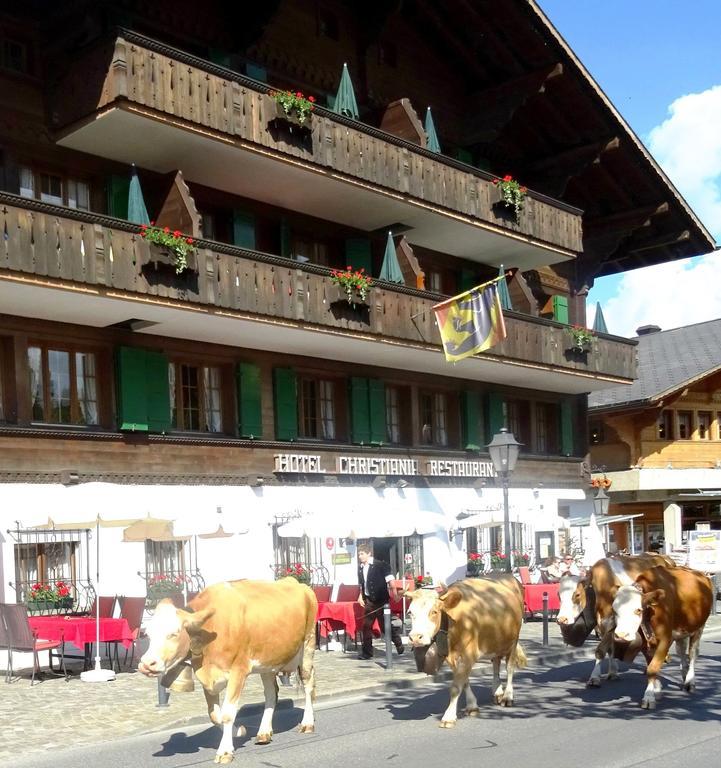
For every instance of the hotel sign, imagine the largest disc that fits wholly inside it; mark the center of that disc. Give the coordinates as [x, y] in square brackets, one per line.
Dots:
[303, 463]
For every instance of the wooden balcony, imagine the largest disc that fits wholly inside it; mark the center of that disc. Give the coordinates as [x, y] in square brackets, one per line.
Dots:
[134, 85]
[98, 257]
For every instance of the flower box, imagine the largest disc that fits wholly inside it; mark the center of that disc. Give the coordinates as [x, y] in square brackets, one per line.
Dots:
[40, 606]
[291, 117]
[162, 255]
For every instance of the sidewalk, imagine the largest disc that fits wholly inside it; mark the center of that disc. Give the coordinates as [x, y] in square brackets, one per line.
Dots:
[55, 714]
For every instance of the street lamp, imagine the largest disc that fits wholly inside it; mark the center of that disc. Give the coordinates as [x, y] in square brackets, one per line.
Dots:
[504, 451]
[601, 502]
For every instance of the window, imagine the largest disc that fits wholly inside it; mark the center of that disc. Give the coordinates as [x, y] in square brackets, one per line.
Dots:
[435, 282]
[2, 388]
[45, 562]
[387, 54]
[393, 416]
[63, 386]
[14, 56]
[317, 409]
[546, 428]
[685, 425]
[53, 188]
[434, 418]
[665, 425]
[327, 24]
[307, 249]
[518, 420]
[595, 433]
[164, 557]
[195, 397]
[704, 425]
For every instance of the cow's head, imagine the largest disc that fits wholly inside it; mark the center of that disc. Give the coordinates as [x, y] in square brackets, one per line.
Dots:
[171, 632]
[629, 606]
[426, 610]
[577, 611]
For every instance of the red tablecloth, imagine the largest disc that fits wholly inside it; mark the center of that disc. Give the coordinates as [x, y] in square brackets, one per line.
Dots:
[349, 616]
[533, 597]
[80, 630]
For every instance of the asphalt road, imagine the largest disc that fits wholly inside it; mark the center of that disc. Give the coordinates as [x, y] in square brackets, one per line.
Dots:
[556, 721]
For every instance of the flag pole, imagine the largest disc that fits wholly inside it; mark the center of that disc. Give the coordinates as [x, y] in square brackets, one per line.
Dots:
[475, 287]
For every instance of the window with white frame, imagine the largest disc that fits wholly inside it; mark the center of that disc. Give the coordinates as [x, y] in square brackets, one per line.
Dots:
[195, 397]
[54, 188]
[164, 557]
[63, 386]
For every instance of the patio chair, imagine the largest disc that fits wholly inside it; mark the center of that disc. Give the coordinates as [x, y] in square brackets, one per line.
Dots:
[107, 606]
[525, 573]
[322, 593]
[20, 637]
[348, 593]
[132, 610]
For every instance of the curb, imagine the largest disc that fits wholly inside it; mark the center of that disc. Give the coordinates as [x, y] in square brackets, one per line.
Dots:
[398, 684]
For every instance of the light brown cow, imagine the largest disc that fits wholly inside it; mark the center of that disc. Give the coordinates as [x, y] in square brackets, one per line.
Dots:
[482, 619]
[231, 630]
[665, 604]
[588, 603]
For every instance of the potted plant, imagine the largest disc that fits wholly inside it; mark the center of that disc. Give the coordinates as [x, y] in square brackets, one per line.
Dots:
[355, 283]
[175, 246]
[63, 598]
[423, 581]
[581, 338]
[498, 561]
[512, 194]
[474, 564]
[298, 571]
[293, 107]
[41, 598]
[163, 585]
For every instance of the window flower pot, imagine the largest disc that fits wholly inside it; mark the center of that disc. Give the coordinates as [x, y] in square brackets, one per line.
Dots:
[290, 118]
[38, 606]
[162, 255]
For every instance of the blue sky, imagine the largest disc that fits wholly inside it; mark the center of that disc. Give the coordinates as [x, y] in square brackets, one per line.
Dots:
[660, 64]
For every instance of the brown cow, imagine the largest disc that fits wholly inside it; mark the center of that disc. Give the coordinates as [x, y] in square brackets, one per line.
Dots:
[588, 603]
[231, 630]
[665, 604]
[475, 618]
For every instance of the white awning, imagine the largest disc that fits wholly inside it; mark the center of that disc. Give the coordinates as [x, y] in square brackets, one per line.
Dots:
[601, 520]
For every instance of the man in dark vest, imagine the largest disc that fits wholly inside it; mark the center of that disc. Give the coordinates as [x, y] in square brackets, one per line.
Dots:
[374, 577]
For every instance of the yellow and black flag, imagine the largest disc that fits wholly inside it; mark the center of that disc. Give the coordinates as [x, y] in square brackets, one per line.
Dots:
[471, 322]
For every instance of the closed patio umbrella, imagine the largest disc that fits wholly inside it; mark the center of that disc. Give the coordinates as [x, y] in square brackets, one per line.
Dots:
[432, 142]
[599, 322]
[503, 294]
[391, 269]
[345, 103]
[137, 212]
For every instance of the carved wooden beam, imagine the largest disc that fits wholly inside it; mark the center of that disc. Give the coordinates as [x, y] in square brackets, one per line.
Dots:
[627, 219]
[662, 240]
[491, 109]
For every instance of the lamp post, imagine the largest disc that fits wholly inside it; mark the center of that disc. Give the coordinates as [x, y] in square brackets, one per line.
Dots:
[504, 451]
[600, 507]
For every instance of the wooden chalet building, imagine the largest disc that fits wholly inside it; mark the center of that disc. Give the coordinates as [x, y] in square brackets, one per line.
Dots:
[246, 390]
[659, 440]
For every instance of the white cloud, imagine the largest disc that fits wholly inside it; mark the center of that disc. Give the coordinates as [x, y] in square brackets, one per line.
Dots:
[669, 295]
[687, 145]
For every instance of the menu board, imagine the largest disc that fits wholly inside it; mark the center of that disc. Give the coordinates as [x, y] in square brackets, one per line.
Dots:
[704, 551]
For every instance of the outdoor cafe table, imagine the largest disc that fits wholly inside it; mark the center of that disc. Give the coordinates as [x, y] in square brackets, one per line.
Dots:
[81, 631]
[533, 597]
[348, 615]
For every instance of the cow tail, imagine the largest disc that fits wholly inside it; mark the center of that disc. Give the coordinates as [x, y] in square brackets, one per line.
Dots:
[520, 657]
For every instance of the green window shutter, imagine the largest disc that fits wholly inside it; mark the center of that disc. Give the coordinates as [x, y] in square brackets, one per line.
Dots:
[250, 413]
[158, 391]
[471, 420]
[467, 280]
[566, 416]
[118, 188]
[560, 309]
[377, 410]
[358, 254]
[496, 415]
[132, 399]
[464, 156]
[285, 395]
[359, 411]
[285, 246]
[244, 230]
[256, 72]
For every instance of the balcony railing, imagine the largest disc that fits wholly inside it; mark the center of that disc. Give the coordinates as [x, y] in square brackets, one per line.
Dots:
[53, 242]
[156, 80]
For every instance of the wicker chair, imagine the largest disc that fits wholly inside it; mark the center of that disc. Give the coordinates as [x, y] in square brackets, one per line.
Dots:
[17, 635]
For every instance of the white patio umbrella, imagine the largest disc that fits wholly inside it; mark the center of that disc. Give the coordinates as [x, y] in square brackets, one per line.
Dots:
[593, 549]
